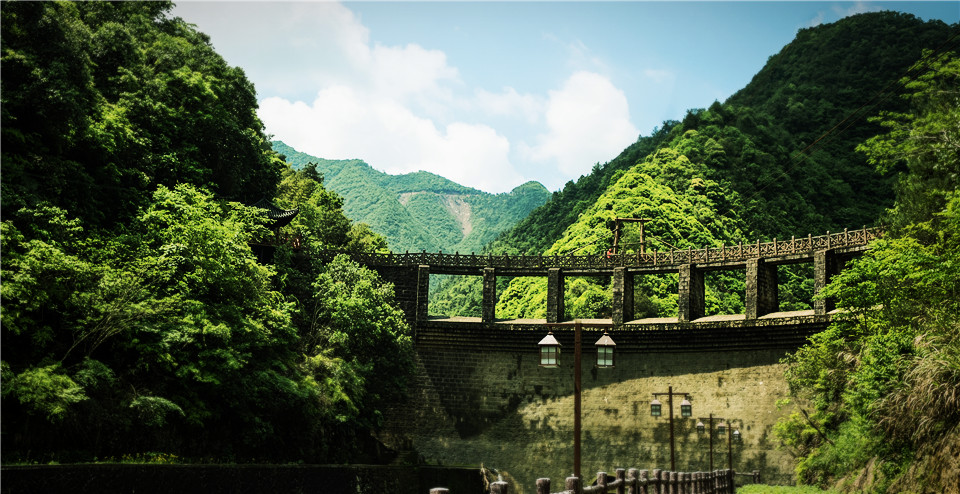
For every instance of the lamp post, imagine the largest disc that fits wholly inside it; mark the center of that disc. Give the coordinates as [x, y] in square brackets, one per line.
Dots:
[550, 357]
[721, 430]
[686, 410]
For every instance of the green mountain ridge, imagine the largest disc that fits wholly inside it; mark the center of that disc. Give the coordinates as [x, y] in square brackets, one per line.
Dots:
[421, 210]
[751, 168]
[762, 143]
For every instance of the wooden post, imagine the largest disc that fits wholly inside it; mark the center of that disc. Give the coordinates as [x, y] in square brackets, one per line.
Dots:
[574, 485]
[543, 486]
[673, 462]
[644, 483]
[622, 478]
[602, 482]
[576, 399]
[730, 444]
[498, 488]
[633, 481]
[711, 442]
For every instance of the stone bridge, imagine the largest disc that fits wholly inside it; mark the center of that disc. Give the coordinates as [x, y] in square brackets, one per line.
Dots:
[410, 274]
[481, 397]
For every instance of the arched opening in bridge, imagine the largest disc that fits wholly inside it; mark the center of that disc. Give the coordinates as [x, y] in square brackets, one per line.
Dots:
[795, 286]
[655, 295]
[588, 297]
[454, 295]
[521, 297]
[724, 292]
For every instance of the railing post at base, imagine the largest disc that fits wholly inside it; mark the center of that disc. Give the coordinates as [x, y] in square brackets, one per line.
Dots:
[543, 486]
[602, 481]
[644, 482]
[633, 481]
[622, 477]
[499, 488]
[574, 485]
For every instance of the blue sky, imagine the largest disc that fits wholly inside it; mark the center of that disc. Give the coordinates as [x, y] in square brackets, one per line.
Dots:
[493, 94]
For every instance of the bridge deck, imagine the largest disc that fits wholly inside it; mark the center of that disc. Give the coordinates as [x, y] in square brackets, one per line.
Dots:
[775, 317]
[734, 332]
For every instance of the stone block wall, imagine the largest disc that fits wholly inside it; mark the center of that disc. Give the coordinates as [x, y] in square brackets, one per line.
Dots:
[483, 400]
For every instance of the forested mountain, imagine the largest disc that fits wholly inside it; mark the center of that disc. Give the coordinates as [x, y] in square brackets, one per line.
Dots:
[137, 322]
[421, 211]
[762, 143]
[758, 161]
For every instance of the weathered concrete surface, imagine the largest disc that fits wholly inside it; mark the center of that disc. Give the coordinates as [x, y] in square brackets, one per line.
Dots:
[487, 401]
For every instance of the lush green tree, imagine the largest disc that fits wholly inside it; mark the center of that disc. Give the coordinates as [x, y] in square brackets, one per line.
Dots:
[884, 380]
[103, 101]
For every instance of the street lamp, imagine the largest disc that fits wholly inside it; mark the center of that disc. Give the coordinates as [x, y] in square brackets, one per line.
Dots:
[685, 410]
[549, 351]
[550, 357]
[721, 430]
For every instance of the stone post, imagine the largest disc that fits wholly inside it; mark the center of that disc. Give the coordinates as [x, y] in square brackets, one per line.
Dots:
[489, 305]
[633, 481]
[543, 486]
[555, 309]
[644, 483]
[824, 267]
[574, 485]
[762, 291]
[691, 303]
[622, 296]
[498, 488]
[423, 292]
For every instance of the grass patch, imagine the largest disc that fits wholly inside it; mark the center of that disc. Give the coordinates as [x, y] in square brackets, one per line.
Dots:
[780, 489]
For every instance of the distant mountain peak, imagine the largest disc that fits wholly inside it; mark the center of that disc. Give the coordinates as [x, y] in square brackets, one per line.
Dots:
[421, 210]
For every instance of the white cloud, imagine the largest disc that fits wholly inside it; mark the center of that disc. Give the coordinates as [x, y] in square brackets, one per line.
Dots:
[510, 103]
[843, 10]
[856, 8]
[588, 121]
[385, 105]
[333, 91]
[816, 21]
[344, 123]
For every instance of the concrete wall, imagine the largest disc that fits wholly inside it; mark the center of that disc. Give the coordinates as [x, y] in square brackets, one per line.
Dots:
[481, 397]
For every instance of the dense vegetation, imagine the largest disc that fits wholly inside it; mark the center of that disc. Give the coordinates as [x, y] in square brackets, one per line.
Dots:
[138, 320]
[884, 382]
[136, 317]
[421, 211]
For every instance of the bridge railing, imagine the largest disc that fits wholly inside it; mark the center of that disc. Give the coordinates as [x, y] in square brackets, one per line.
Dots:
[635, 481]
[737, 252]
